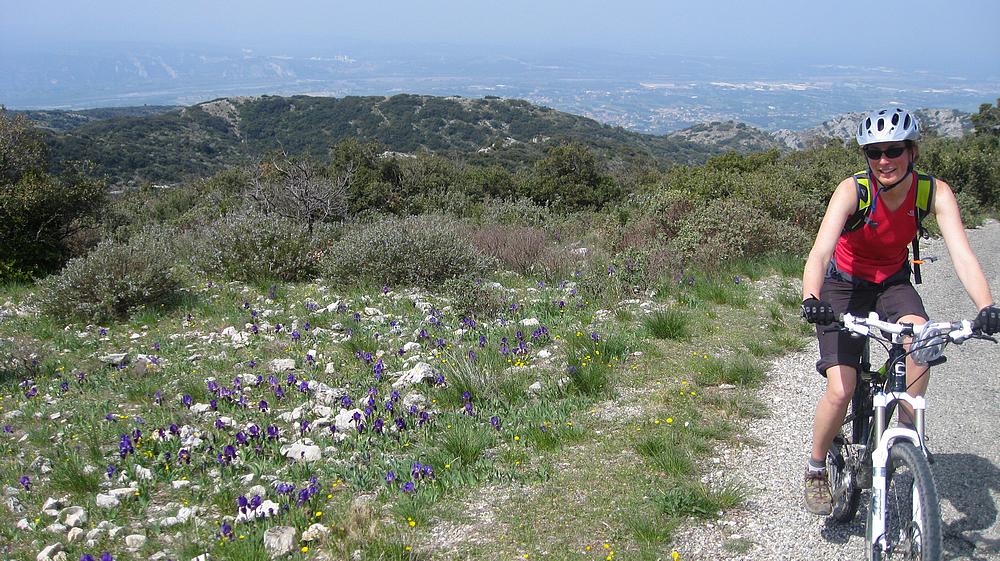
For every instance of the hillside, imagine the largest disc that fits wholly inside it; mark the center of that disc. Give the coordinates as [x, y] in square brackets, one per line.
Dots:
[742, 137]
[204, 138]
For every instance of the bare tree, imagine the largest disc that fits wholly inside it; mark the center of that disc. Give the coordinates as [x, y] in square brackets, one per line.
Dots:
[296, 190]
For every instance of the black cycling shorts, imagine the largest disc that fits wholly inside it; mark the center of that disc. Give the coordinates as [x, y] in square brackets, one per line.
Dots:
[892, 299]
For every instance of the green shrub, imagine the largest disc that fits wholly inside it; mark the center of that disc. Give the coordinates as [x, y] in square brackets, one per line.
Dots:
[254, 247]
[419, 250]
[472, 298]
[113, 280]
[728, 229]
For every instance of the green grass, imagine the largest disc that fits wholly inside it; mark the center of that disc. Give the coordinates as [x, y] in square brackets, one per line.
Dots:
[560, 438]
[697, 500]
[739, 370]
[669, 324]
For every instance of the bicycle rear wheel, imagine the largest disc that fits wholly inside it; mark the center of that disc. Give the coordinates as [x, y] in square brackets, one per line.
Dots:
[913, 515]
[844, 490]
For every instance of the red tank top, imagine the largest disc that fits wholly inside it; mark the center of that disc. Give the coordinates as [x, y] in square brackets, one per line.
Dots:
[876, 253]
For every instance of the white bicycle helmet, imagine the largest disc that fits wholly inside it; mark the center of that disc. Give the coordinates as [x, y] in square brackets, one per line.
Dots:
[888, 125]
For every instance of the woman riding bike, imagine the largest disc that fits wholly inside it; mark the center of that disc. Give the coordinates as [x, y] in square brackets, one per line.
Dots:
[859, 269]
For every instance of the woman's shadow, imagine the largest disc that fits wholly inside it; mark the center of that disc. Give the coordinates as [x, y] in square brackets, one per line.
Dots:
[970, 529]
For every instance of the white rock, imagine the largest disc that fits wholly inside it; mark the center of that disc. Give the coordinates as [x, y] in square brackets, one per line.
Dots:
[345, 419]
[56, 528]
[95, 534]
[535, 388]
[185, 513]
[282, 365]
[200, 408]
[544, 354]
[47, 553]
[411, 346]
[331, 368]
[52, 504]
[412, 399]
[279, 540]
[530, 322]
[316, 532]
[416, 375]
[74, 535]
[23, 524]
[180, 483]
[266, 509]
[114, 531]
[372, 312]
[202, 557]
[144, 474]
[114, 358]
[302, 451]
[74, 516]
[135, 541]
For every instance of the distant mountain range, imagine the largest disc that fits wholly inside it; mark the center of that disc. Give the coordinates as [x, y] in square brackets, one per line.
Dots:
[167, 144]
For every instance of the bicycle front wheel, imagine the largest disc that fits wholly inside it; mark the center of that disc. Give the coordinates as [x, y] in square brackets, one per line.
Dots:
[912, 512]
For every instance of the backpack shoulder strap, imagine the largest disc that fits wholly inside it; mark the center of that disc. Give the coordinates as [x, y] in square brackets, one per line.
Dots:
[924, 201]
[863, 185]
[925, 197]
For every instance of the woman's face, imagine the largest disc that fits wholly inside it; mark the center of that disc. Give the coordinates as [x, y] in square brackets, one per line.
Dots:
[890, 161]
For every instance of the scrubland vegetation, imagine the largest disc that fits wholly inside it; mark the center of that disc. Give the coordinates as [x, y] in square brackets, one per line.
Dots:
[400, 357]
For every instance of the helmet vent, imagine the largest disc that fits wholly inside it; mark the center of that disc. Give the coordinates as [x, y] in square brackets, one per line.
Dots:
[881, 124]
[895, 119]
[906, 122]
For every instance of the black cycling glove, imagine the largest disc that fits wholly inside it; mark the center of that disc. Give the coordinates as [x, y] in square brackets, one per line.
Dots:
[988, 320]
[817, 311]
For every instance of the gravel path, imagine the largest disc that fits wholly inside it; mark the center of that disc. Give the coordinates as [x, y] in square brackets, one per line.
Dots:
[963, 431]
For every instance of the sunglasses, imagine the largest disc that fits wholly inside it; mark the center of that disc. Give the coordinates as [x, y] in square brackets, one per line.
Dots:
[875, 154]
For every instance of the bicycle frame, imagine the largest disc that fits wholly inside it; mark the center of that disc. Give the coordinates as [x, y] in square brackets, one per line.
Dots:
[884, 400]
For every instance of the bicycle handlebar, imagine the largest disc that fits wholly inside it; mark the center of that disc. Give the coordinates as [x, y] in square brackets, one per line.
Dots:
[956, 332]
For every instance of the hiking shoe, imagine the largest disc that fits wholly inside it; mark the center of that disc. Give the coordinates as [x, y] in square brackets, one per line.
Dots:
[817, 493]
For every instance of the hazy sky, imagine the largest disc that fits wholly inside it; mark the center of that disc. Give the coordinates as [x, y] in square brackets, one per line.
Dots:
[911, 34]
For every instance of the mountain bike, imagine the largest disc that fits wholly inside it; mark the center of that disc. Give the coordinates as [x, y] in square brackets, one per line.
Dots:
[904, 517]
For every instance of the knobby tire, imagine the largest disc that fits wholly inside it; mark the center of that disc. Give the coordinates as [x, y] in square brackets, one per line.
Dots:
[911, 536]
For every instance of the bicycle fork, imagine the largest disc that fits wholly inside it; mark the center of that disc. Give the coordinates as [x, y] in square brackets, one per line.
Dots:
[886, 437]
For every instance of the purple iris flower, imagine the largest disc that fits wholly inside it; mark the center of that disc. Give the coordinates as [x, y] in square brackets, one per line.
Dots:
[495, 421]
[272, 432]
[408, 487]
[226, 531]
[106, 557]
[25, 482]
[125, 446]
[187, 401]
[64, 386]
[87, 557]
[111, 470]
[184, 456]
[263, 406]
[296, 335]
